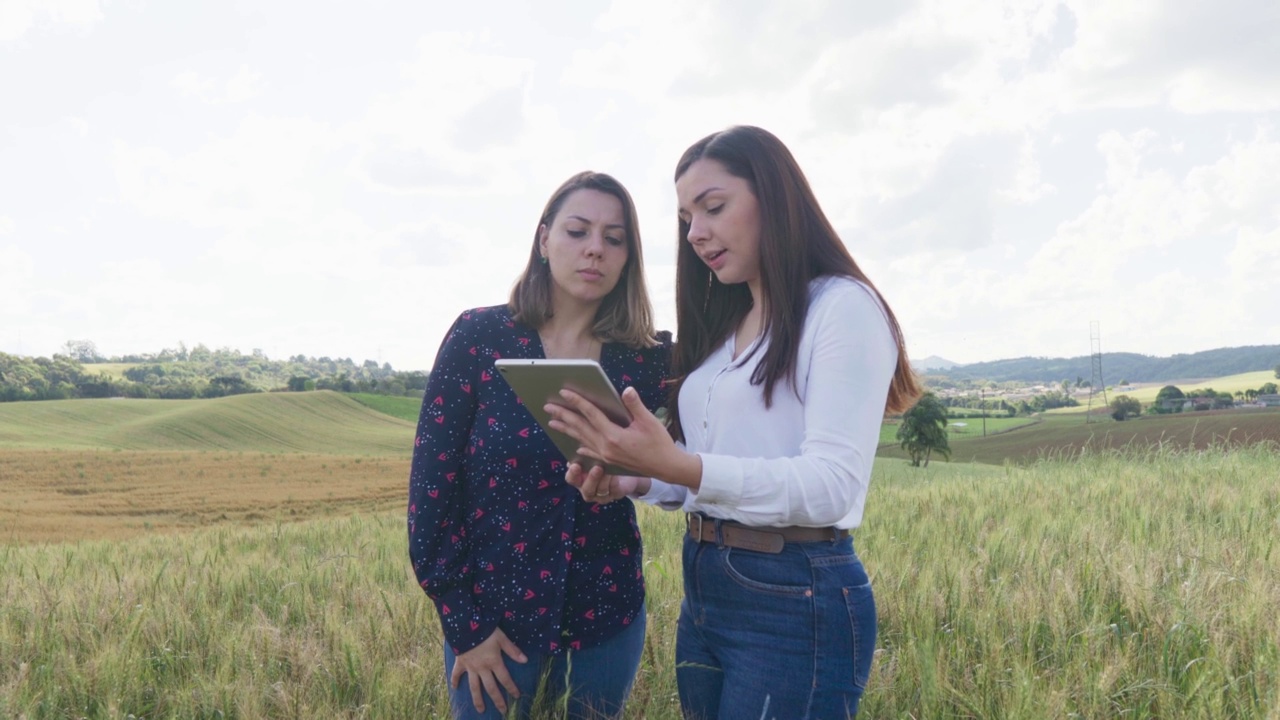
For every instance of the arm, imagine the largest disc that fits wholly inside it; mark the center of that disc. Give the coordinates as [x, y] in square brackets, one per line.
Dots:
[853, 359]
[438, 545]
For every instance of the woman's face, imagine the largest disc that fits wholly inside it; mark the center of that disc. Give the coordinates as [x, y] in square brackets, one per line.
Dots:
[724, 221]
[585, 246]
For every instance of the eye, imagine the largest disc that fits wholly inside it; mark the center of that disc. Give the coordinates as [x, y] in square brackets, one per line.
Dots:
[576, 233]
[715, 210]
[616, 241]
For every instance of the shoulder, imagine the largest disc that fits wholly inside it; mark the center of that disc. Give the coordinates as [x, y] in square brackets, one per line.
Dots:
[482, 321]
[842, 307]
[845, 295]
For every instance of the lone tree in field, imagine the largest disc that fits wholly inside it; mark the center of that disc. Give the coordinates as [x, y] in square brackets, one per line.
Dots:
[1278, 371]
[924, 430]
[1125, 407]
[1168, 392]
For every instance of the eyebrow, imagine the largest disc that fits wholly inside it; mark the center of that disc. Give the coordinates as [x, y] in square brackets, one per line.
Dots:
[699, 197]
[582, 219]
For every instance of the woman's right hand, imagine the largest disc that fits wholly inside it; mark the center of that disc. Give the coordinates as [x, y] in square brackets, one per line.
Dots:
[483, 666]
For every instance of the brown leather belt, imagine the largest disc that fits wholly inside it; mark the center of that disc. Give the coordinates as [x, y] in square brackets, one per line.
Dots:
[768, 540]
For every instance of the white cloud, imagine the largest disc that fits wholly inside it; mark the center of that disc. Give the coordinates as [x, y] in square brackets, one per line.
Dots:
[19, 17]
[1194, 56]
[1005, 171]
[17, 270]
[245, 85]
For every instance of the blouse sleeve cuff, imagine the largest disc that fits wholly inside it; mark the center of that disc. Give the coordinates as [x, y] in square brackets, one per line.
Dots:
[663, 495]
[461, 621]
[722, 481]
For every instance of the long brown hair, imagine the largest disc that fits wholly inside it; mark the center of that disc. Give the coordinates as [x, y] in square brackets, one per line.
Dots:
[797, 244]
[625, 315]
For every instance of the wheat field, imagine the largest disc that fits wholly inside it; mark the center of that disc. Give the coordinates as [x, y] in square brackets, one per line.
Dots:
[1135, 584]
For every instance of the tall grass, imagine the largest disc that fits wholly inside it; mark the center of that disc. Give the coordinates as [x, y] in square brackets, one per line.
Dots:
[1115, 585]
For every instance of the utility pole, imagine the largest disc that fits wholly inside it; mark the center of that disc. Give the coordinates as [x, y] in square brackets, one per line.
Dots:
[1096, 384]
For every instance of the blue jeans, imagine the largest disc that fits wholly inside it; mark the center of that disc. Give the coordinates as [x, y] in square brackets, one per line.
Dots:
[598, 679]
[787, 636]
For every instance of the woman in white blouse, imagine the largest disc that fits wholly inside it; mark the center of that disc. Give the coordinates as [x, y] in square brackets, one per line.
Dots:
[786, 361]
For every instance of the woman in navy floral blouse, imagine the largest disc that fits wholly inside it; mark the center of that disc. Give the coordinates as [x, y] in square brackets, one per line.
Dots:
[529, 578]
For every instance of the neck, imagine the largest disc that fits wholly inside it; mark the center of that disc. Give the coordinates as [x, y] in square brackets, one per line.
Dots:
[757, 296]
[570, 322]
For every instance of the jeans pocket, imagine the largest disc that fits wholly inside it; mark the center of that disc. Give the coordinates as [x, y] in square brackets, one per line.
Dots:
[780, 575]
[861, 604]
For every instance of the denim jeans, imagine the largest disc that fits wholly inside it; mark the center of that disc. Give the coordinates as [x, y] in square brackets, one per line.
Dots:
[598, 680]
[788, 636]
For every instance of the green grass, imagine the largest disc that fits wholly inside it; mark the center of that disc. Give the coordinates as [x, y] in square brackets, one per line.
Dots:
[1069, 435]
[1146, 392]
[114, 370]
[1229, 383]
[405, 408]
[322, 422]
[1116, 585]
[968, 427]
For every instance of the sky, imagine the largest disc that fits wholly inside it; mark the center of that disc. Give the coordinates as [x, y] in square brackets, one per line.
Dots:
[343, 179]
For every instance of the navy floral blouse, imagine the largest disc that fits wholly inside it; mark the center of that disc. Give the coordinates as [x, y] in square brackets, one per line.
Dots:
[497, 538]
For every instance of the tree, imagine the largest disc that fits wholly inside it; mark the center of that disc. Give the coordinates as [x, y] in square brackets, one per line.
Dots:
[1168, 392]
[83, 351]
[923, 430]
[1268, 389]
[1278, 371]
[1125, 407]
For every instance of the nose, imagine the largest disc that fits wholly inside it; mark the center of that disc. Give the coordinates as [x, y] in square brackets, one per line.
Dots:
[697, 230]
[595, 245]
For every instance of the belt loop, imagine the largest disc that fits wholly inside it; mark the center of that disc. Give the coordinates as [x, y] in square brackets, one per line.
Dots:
[719, 525]
[697, 534]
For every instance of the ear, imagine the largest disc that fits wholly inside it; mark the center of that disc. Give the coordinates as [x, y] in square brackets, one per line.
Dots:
[542, 239]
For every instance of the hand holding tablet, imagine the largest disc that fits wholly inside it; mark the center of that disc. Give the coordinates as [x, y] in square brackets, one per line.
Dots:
[538, 382]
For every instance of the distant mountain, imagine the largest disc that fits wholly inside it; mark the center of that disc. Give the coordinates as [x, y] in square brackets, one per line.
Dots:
[933, 362]
[1122, 366]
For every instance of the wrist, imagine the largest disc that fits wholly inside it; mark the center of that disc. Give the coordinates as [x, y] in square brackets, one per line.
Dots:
[683, 468]
[643, 486]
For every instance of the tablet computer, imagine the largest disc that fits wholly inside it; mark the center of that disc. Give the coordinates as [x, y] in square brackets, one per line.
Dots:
[538, 382]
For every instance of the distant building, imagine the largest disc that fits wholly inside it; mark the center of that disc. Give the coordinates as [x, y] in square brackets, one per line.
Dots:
[1269, 400]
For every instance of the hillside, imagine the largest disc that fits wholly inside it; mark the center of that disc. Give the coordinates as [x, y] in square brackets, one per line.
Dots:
[1064, 436]
[1132, 367]
[313, 422]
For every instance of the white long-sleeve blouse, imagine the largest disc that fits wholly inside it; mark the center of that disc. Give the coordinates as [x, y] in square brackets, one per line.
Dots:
[807, 459]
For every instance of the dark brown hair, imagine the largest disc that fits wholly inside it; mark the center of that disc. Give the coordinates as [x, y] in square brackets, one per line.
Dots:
[625, 315]
[797, 244]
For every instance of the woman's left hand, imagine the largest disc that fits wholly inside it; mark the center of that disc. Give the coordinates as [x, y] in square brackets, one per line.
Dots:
[596, 487]
[644, 445]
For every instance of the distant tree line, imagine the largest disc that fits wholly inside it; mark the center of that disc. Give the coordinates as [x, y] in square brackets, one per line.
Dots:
[1171, 399]
[970, 406]
[197, 372]
[1131, 366]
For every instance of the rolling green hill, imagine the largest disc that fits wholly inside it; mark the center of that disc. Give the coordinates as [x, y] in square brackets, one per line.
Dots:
[320, 422]
[1066, 435]
[405, 408]
[1133, 367]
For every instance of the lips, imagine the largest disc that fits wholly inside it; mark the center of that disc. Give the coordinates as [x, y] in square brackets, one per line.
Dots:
[714, 259]
[590, 274]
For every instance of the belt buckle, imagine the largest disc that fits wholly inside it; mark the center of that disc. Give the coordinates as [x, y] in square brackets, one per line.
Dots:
[697, 534]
